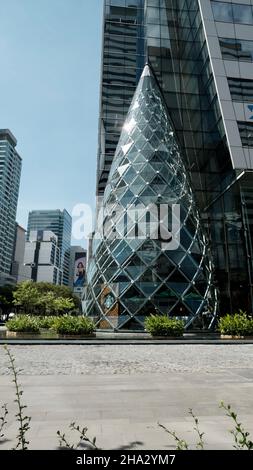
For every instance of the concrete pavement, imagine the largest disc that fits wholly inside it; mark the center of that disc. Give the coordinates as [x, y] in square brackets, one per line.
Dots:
[121, 392]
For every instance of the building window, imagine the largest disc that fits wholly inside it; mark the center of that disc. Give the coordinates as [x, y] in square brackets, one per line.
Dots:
[241, 89]
[242, 14]
[246, 133]
[236, 49]
[222, 12]
[232, 12]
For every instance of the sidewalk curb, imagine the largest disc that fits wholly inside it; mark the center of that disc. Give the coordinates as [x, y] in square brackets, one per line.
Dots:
[126, 342]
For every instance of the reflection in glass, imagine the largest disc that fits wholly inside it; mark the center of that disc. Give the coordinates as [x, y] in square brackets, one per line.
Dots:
[241, 89]
[246, 133]
[222, 12]
[236, 49]
[232, 13]
[242, 14]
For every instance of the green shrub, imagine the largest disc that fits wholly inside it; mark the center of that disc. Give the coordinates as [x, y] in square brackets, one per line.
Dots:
[68, 325]
[161, 325]
[46, 322]
[23, 323]
[238, 324]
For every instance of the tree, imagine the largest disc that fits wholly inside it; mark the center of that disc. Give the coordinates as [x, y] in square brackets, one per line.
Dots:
[26, 296]
[6, 299]
[46, 303]
[44, 298]
[58, 291]
[63, 305]
[50, 304]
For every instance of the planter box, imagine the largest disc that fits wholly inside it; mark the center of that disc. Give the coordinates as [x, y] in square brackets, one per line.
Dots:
[235, 337]
[21, 334]
[45, 335]
[48, 334]
[92, 335]
[166, 337]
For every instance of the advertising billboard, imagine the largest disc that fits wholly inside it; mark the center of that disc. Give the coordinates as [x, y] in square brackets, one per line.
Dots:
[79, 270]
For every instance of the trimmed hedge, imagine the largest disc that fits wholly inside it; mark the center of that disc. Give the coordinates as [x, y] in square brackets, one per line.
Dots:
[73, 325]
[238, 324]
[161, 325]
[23, 323]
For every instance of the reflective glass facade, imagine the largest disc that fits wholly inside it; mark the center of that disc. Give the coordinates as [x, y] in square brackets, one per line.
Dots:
[196, 113]
[201, 54]
[122, 64]
[139, 267]
[180, 60]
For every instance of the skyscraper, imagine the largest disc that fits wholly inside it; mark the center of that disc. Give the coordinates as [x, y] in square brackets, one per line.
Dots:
[60, 223]
[10, 171]
[201, 54]
[122, 65]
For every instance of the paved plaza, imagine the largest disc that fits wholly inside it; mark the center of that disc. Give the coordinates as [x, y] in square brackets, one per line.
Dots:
[121, 392]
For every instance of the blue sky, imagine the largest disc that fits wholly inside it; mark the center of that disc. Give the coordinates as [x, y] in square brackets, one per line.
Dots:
[50, 75]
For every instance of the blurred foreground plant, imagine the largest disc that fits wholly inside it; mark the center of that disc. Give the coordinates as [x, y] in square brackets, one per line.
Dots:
[82, 438]
[22, 419]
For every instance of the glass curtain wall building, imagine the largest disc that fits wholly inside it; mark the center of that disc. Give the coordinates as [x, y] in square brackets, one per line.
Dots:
[60, 223]
[122, 64]
[209, 97]
[201, 54]
[149, 252]
[10, 172]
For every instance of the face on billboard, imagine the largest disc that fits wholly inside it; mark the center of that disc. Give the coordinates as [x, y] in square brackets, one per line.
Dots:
[79, 273]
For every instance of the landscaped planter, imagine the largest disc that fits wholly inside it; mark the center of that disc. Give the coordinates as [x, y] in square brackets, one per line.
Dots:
[21, 334]
[166, 337]
[235, 337]
[163, 327]
[74, 327]
[46, 333]
[92, 335]
[236, 326]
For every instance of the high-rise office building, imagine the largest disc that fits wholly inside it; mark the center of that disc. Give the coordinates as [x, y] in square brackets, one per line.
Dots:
[17, 268]
[42, 260]
[10, 171]
[122, 65]
[60, 223]
[201, 53]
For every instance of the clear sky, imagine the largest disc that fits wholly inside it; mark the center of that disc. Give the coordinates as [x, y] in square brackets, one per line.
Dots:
[49, 93]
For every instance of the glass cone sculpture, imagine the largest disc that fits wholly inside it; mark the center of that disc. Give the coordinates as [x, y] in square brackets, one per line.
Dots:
[149, 254]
